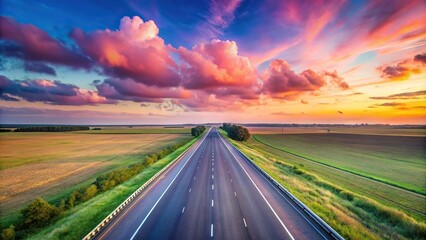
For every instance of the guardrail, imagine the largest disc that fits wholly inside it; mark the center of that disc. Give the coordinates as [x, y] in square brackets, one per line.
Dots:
[314, 217]
[126, 202]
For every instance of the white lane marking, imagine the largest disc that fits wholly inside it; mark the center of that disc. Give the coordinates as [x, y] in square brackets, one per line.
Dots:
[212, 169]
[194, 178]
[212, 203]
[183, 209]
[212, 163]
[261, 194]
[212, 176]
[211, 230]
[244, 220]
[235, 193]
[212, 186]
[190, 190]
[231, 179]
[173, 180]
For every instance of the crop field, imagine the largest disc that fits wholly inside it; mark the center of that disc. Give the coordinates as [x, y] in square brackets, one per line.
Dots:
[363, 130]
[388, 169]
[397, 160]
[139, 130]
[53, 164]
[357, 206]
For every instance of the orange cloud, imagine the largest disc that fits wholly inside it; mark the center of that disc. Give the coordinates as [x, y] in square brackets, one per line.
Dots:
[404, 69]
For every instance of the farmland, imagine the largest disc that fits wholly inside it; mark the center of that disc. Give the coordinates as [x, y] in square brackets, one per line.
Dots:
[51, 165]
[310, 166]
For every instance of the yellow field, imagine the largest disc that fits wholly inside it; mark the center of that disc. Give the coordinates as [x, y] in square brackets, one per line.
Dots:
[46, 164]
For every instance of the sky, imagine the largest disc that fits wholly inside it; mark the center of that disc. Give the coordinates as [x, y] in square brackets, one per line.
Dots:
[165, 62]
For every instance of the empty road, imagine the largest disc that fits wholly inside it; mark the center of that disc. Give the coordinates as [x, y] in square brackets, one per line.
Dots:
[212, 193]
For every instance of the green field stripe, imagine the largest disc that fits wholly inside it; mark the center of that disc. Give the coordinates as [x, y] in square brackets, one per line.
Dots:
[385, 181]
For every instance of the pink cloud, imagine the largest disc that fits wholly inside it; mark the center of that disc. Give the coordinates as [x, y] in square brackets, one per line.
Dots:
[28, 42]
[282, 82]
[336, 80]
[52, 92]
[129, 90]
[215, 65]
[133, 51]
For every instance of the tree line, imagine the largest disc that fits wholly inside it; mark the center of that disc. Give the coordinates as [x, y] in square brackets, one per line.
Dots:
[51, 128]
[236, 132]
[197, 131]
[41, 213]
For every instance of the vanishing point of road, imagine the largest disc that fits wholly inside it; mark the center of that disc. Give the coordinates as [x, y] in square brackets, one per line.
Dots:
[212, 192]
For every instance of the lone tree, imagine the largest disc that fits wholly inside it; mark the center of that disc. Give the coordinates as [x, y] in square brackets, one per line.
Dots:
[236, 132]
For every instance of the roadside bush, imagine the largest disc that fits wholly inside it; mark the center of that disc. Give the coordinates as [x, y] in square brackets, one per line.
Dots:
[8, 233]
[236, 132]
[38, 214]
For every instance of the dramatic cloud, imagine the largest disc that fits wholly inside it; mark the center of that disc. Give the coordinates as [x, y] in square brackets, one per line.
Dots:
[215, 64]
[28, 42]
[134, 51]
[129, 90]
[48, 92]
[404, 69]
[282, 82]
[406, 95]
[39, 67]
[420, 58]
[336, 80]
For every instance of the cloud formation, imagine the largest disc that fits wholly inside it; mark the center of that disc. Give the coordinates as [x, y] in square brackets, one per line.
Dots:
[214, 65]
[130, 90]
[39, 67]
[27, 42]
[51, 92]
[403, 96]
[282, 82]
[133, 51]
[404, 69]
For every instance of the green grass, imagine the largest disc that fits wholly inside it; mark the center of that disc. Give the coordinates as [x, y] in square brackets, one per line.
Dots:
[77, 222]
[353, 215]
[395, 160]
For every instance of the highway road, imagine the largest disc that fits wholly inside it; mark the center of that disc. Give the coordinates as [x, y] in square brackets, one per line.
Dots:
[212, 193]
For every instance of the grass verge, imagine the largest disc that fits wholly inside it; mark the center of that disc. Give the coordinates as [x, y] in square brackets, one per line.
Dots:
[78, 221]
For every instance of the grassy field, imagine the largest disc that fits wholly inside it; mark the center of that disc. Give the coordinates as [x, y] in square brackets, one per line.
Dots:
[77, 222]
[357, 207]
[363, 130]
[139, 130]
[397, 160]
[51, 165]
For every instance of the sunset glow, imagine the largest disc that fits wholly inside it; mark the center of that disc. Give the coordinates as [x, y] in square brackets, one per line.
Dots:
[159, 62]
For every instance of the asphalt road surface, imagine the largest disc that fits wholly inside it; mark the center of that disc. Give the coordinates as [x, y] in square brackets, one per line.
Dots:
[212, 193]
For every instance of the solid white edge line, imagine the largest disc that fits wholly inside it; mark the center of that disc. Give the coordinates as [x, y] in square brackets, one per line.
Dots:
[244, 220]
[152, 209]
[183, 209]
[261, 194]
